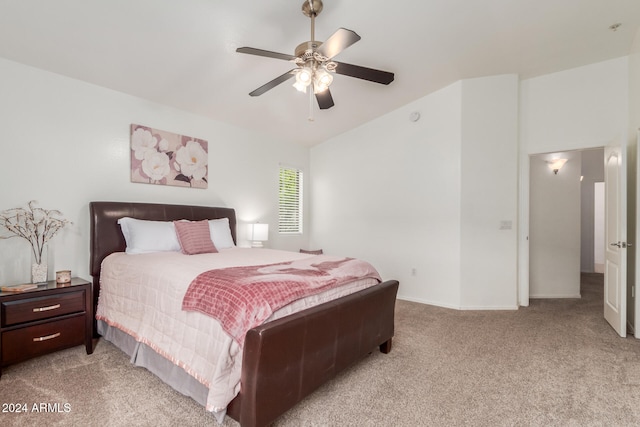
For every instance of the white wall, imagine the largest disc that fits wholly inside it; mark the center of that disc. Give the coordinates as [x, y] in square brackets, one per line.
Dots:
[358, 207]
[389, 192]
[580, 108]
[66, 143]
[489, 193]
[428, 195]
[584, 107]
[554, 230]
[369, 184]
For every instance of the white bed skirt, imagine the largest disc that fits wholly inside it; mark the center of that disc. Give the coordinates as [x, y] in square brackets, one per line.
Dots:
[144, 356]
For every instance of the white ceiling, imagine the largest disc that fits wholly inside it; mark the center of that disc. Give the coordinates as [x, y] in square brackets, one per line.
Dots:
[182, 53]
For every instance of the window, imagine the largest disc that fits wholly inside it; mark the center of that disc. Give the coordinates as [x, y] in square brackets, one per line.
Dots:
[290, 201]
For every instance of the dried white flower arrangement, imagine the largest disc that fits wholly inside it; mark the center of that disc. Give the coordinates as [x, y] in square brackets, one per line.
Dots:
[34, 224]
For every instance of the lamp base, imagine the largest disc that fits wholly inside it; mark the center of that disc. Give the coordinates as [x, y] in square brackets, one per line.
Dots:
[257, 244]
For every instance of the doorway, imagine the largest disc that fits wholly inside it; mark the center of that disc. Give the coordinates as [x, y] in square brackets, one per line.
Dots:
[555, 228]
[565, 228]
[566, 221]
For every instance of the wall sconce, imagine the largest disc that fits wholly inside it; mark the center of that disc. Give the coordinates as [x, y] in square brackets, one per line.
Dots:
[258, 233]
[556, 164]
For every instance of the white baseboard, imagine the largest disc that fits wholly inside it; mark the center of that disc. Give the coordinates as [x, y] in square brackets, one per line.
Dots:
[550, 296]
[437, 304]
[427, 302]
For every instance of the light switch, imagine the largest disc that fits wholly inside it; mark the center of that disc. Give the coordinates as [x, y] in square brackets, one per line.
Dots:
[506, 225]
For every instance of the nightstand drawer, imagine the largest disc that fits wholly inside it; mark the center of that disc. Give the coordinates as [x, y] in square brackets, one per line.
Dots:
[24, 343]
[26, 310]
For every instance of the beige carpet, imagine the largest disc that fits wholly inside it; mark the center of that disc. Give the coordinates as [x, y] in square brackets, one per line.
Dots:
[556, 362]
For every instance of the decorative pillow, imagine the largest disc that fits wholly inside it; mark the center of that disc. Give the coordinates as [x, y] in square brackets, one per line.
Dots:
[221, 233]
[144, 236]
[194, 237]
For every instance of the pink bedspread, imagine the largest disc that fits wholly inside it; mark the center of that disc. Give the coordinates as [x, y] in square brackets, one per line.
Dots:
[241, 298]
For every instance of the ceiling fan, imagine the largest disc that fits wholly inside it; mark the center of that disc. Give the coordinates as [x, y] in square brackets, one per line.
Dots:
[314, 62]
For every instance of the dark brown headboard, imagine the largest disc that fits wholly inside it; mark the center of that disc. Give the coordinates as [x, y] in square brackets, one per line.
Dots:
[106, 236]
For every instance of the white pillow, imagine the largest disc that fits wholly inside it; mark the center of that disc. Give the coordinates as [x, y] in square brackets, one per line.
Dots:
[149, 236]
[221, 233]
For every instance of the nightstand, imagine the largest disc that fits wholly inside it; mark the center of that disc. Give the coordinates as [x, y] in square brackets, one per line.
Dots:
[46, 319]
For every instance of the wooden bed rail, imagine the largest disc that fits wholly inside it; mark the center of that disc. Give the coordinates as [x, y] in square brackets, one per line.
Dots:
[287, 359]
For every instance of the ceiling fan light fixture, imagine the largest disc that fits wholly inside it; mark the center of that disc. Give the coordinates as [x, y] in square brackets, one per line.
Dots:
[300, 86]
[556, 164]
[314, 66]
[304, 76]
[321, 80]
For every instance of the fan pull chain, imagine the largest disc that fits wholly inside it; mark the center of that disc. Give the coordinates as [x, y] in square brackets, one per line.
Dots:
[311, 119]
[313, 39]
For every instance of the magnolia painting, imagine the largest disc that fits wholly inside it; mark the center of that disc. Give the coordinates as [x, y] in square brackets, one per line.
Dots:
[165, 158]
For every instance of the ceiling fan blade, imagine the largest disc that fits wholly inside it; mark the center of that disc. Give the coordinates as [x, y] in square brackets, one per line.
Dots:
[376, 76]
[273, 83]
[325, 100]
[267, 53]
[339, 41]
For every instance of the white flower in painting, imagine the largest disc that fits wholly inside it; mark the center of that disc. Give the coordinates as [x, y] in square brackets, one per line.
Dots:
[155, 165]
[192, 160]
[163, 145]
[142, 141]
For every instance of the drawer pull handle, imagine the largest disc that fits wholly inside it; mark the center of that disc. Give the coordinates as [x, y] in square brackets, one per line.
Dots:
[51, 307]
[48, 337]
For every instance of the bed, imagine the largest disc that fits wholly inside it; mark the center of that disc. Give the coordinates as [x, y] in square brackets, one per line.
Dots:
[282, 360]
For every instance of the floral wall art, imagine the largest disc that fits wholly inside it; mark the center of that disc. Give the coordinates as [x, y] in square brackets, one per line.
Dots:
[165, 158]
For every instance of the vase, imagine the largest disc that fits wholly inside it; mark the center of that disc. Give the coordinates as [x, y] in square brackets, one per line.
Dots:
[39, 267]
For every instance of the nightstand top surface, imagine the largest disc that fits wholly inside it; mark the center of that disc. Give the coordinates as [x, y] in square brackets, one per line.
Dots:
[51, 284]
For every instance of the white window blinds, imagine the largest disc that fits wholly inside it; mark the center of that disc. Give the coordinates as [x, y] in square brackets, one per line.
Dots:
[290, 201]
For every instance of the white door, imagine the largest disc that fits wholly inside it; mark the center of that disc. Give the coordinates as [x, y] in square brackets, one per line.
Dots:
[615, 271]
[637, 253]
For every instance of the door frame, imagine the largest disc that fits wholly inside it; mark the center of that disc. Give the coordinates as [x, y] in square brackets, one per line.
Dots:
[523, 220]
[636, 240]
[523, 229]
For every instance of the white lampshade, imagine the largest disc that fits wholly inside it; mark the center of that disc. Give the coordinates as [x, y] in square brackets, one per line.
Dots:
[322, 80]
[303, 78]
[258, 233]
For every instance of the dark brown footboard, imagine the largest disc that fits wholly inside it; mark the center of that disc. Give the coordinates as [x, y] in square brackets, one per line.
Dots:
[287, 359]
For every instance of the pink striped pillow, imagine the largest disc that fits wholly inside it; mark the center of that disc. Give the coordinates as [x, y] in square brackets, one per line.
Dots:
[194, 237]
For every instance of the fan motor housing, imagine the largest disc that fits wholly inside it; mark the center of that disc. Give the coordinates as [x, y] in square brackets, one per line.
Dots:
[303, 47]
